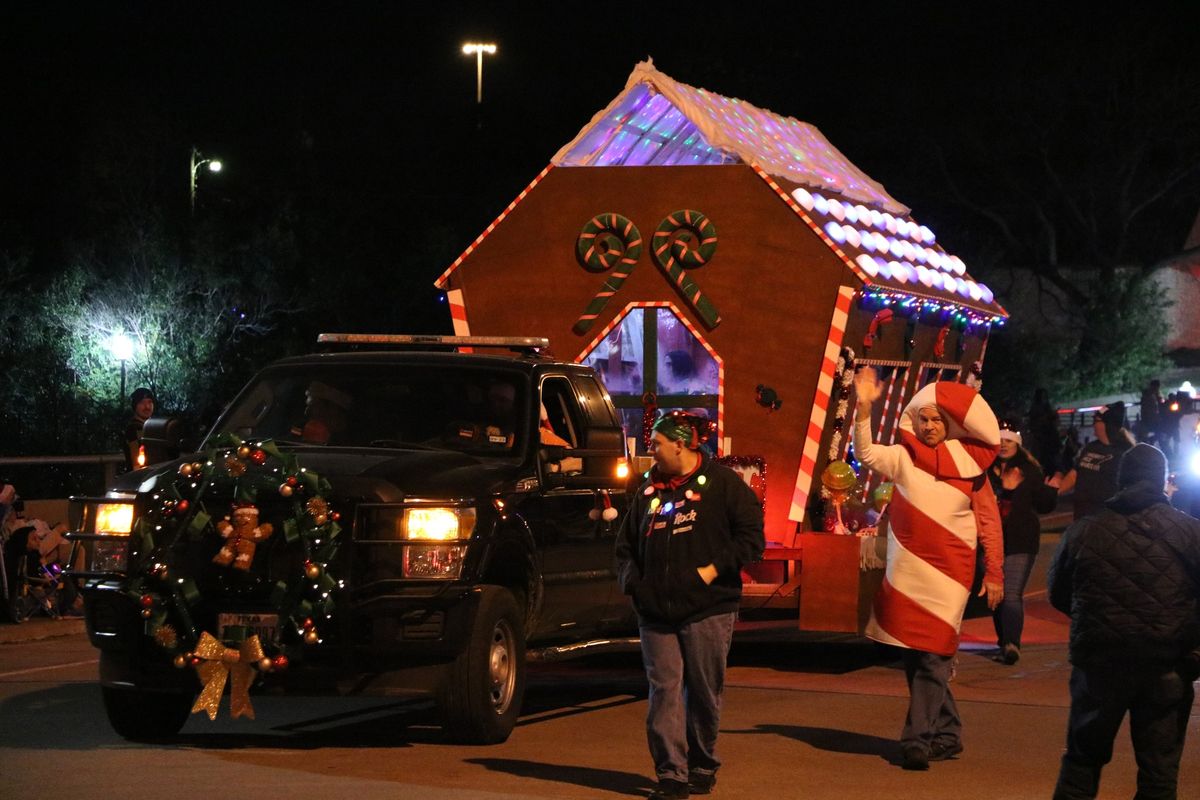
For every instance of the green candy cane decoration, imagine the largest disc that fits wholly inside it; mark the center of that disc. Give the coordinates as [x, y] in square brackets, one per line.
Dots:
[687, 238]
[605, 240]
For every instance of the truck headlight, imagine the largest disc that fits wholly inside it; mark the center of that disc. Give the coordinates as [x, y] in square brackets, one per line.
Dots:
[420, 541]
[105, 526]
[438, 524]
[114, 519]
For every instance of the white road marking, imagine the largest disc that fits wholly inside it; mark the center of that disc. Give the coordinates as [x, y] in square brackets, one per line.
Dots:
[51, 666]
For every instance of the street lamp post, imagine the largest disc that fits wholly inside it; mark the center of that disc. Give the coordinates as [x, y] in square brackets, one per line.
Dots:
[214, 165]
[478, 49]
[122, 349]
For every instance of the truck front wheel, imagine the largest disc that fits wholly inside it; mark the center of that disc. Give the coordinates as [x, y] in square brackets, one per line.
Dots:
[481, 696]
[143, 716]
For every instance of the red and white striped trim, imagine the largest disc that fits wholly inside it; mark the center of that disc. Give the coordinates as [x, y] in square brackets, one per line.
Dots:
[458, 312]
[445, 276]
[820, 406]
[720, 438]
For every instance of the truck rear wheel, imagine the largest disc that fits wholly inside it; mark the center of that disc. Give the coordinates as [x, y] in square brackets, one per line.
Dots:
[142, 716]
[481, 696]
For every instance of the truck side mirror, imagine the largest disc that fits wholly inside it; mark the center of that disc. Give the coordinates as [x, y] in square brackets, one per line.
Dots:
[162, 437]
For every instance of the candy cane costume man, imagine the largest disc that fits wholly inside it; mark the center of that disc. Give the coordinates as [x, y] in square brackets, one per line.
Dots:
[942, 506]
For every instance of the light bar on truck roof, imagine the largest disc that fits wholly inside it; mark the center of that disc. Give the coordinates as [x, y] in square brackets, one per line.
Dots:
[534, 343]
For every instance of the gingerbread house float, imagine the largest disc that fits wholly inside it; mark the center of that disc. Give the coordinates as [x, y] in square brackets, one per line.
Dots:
[706, 254]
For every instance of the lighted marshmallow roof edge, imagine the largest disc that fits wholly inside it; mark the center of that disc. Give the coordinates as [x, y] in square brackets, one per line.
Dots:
[656, 120]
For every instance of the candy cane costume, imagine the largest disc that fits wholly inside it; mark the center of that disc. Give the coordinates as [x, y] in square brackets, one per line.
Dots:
[941, 508]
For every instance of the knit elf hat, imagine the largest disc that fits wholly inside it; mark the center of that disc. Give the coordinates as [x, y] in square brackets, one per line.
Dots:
[972, 432]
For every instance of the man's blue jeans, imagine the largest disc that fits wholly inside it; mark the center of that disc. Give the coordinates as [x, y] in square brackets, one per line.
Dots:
[685, 666]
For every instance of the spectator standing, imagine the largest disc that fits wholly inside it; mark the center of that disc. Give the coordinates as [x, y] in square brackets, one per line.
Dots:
[1169, 417]
[1128, 575]
[1017, 480]
[142, 404]
[1150, 409]
[1045, 443]
[1093, 478]
[689, 530]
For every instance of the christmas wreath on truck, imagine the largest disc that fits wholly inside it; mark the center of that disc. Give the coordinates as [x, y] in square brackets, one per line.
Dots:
[230, 564]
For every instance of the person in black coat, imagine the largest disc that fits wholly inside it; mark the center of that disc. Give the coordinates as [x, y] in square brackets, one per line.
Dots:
[1017, 480]
[1129, 576]
[689, 531]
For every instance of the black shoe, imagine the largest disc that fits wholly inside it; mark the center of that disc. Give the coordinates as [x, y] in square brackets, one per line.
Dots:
[670, 790]
[944, 752]
[701, 782]
[914, 758]
[1012, 654]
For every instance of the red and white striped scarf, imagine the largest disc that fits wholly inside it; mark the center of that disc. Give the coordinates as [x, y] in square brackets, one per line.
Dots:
[933, 534]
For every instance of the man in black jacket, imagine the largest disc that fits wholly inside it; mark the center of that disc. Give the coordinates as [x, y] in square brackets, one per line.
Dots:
[688, 532]
[1129, 576]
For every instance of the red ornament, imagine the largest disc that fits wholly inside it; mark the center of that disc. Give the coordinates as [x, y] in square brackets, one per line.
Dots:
[882, 317]
[147, 601]
[259, 457]
[308, 623]
[292, 481]
[336, 516]
[182, 506]
[280, 662]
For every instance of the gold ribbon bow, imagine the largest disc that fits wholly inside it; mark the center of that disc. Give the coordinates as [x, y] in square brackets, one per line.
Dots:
[217, 663]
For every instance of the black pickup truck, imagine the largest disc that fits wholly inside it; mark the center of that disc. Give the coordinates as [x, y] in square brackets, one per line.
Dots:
[434, 516]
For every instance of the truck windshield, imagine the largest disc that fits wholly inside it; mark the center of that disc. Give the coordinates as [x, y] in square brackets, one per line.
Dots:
[474, 410]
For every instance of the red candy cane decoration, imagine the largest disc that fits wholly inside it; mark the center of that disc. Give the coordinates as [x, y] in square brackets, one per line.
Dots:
[882, 317]
[605, 240]
[687, 238]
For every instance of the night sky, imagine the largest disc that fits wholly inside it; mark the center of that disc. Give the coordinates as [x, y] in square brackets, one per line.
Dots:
[362, 116]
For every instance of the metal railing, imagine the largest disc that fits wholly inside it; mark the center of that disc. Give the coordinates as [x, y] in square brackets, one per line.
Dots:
[110, 462]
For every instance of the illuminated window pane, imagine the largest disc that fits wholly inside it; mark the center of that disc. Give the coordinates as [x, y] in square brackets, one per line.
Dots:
[684, 366]
[652, 350]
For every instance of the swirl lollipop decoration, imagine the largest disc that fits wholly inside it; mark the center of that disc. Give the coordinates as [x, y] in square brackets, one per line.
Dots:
[607, 240]
[687, 238]
[838, 479]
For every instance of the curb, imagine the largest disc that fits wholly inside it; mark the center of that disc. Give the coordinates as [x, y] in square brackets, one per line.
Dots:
[37, 629]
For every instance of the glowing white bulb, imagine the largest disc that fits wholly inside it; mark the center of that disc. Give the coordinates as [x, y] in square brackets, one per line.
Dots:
[802, 196]
[867, 263]
[835, 231]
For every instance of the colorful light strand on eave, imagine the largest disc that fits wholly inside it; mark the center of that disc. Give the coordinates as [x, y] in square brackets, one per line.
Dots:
[926, 309]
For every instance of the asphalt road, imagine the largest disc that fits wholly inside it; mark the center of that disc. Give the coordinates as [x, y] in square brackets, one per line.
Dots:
[802, 719]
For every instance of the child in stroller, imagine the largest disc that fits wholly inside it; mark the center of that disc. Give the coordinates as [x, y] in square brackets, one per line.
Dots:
[33, 558]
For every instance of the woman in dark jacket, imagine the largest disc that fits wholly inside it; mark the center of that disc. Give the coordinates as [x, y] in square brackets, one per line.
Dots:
[1017, 480]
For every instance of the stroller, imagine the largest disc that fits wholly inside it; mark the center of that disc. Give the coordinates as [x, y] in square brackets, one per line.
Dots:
[33, 561]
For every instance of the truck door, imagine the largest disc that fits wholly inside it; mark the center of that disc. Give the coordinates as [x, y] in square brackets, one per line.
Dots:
[575, 544]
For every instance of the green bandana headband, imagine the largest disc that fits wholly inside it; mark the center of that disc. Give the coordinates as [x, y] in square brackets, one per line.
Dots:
[679, 426]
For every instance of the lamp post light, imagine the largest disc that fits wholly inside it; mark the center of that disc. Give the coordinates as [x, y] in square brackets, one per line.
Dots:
[121, 346]
[478, 49]
[214, 165]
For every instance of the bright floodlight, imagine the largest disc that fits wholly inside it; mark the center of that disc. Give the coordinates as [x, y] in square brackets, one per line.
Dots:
[477, 49]
[121, 347]
[214, 166]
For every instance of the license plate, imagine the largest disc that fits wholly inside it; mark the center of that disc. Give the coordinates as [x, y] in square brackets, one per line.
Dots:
[265, 626]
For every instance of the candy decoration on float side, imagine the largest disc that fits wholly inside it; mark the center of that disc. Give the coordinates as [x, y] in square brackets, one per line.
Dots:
[687, 238]
[605, 240]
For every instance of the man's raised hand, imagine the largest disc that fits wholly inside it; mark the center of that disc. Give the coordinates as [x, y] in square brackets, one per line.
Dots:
[867, 388]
